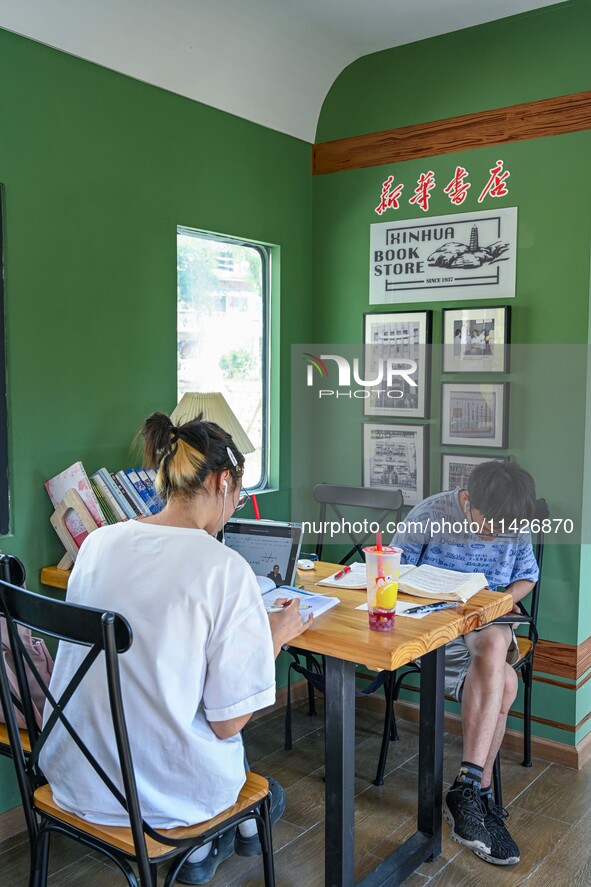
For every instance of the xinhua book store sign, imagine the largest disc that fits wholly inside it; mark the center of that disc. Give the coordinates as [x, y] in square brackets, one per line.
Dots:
[464, 256]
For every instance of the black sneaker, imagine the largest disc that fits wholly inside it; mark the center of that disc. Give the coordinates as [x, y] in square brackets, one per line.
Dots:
[203, 871]
[251, 846]
[464, 811]
[504, 850]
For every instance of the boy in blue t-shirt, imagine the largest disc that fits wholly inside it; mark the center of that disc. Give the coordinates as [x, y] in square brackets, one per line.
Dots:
[473, 531]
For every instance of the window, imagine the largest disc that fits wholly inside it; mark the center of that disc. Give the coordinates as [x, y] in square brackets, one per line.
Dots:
[223, 331]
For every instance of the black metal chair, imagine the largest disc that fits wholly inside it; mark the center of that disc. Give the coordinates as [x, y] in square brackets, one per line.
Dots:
[107, 635]
[12, 570]
[336, 497]
[526, 645]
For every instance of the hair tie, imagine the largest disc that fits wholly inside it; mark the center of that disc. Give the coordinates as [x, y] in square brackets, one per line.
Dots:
[174, 434]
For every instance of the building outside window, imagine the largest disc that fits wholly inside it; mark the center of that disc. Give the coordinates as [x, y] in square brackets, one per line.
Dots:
[223, 331]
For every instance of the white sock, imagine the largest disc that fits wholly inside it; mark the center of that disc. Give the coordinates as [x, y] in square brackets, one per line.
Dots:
[200, 853]
[249, 828]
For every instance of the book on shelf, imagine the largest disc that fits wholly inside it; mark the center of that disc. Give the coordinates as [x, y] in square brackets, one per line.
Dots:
[75, 477]
[131, 490]
[148, 499]
[108, 499]
[154, 503]
[135, 510]
[152, 474]
[105, 508]
[425, 581]
[109, 495]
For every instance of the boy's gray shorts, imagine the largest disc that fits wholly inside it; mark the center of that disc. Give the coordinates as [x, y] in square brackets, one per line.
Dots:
[457, 663]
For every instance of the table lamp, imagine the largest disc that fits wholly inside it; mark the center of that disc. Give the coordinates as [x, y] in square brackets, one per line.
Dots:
[215, 408]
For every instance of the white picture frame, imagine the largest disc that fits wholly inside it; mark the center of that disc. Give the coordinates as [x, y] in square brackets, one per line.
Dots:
[474, 414]
[456, 469]
[393, 336]
[394, 458]
[475, 339]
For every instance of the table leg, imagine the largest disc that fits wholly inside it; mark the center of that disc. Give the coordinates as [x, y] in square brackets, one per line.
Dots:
[431, 747]
[340, 773]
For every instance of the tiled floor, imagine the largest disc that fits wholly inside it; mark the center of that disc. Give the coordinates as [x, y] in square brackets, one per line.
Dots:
[550, 818]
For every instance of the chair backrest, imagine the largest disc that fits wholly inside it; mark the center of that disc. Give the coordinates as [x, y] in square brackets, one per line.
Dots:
[542, 514]
[12, 569]
[107, 635]
[336, 496]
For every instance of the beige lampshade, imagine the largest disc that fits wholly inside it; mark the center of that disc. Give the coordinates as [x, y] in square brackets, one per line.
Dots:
[215, 408]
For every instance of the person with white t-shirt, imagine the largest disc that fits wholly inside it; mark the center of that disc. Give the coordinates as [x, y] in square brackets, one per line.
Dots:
[203, 653]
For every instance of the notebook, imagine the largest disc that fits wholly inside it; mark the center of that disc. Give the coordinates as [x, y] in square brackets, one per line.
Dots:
[271, 547]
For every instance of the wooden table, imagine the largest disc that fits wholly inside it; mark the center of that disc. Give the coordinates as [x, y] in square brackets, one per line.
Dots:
[343, 636]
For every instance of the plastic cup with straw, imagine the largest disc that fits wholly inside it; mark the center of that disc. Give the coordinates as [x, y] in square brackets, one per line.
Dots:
[383, 568]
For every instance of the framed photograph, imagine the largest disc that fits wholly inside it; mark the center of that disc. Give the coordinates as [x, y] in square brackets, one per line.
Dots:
[455, 470]
[394, 457]
[474, 414]
[475, 340]
[397, 357]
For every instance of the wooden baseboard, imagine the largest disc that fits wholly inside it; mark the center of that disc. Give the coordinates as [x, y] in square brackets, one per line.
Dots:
[584, 751]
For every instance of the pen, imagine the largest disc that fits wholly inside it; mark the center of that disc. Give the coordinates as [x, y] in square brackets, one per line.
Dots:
[432, 608]
[286, 604]
[342, 572]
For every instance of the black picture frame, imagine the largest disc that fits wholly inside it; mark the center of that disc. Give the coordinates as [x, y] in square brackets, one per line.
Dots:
[396, 457]
[463, 462]
[405, 335]
[476, 339]
[474, 414]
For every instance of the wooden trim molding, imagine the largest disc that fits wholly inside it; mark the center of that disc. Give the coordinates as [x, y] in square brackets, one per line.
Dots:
[515, 123]
[563, 660]
[559, 725]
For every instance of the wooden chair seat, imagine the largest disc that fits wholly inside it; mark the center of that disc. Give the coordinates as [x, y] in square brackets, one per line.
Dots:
[254, 789]
[525, 646]
[5, 742]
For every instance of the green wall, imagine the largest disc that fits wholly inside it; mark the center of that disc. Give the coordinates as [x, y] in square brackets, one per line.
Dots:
[98, 172]
[550, 183]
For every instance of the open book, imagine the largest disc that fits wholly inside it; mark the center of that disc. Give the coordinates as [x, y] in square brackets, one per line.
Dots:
[310, 604]
[440, 584]
[424, 581]
[356, 577]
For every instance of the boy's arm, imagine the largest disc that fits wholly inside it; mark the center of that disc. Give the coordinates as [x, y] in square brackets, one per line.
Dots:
[519, 590]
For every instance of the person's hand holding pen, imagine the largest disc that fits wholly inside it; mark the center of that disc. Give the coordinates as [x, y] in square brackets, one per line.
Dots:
[286, 622]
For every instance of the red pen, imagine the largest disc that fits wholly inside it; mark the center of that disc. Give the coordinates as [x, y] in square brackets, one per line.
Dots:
[342, 572]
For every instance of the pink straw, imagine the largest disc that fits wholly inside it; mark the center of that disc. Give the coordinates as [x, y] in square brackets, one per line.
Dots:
[380, 559]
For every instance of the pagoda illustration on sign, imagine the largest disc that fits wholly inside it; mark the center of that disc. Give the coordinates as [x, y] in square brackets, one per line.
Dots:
[454, 254]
